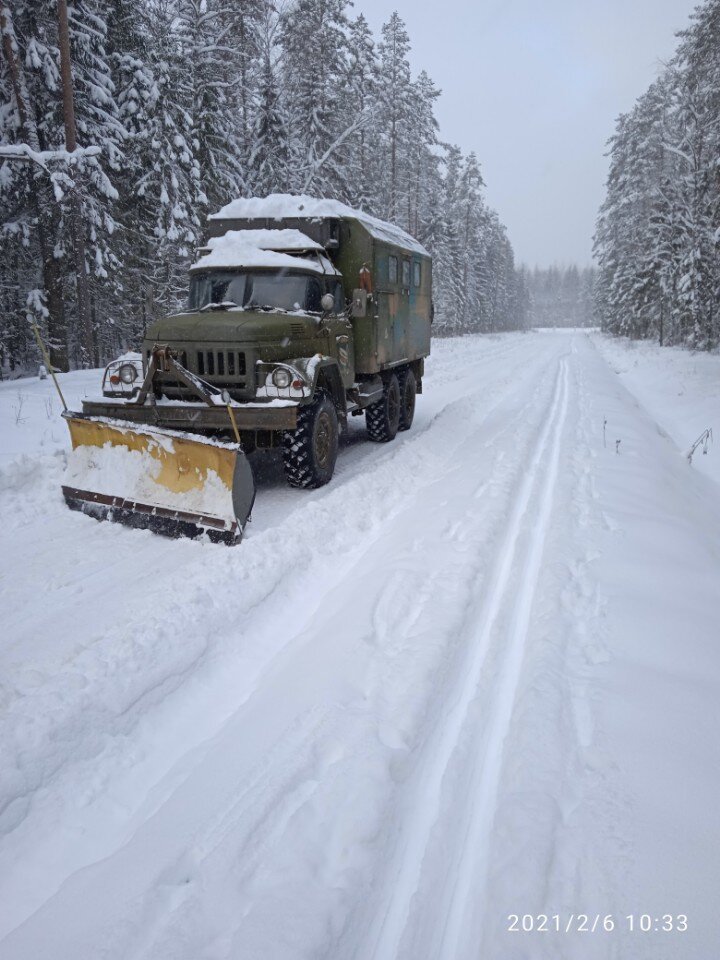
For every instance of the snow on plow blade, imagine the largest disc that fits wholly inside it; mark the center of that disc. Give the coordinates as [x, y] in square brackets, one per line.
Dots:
[176, 485]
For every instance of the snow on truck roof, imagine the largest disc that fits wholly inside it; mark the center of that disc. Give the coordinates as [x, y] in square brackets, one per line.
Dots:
[287, 206]
[264, 248]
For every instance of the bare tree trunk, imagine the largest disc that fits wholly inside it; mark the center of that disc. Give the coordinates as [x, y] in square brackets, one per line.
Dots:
[83, 302]
[393, 172]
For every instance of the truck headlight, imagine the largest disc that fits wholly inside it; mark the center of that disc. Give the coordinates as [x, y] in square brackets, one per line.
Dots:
[128, 373]
[281, 377]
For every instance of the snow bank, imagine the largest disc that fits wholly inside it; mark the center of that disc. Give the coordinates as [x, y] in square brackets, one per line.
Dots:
[679, 389]
[30, 421]
[281, 206]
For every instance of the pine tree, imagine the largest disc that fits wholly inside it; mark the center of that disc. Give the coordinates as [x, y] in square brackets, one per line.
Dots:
[422, 163]
[268, 167]
[360, 95]
[657, 236]
[395, 114]
[314, 45]
[67, 189]
[169, 186]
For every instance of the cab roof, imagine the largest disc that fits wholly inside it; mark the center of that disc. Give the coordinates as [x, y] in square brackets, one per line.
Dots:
[265, 249]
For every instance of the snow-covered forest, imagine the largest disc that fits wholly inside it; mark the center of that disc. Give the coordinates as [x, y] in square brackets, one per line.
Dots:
[560, 296]
[454, 693]
[194, 102]
[658, 233]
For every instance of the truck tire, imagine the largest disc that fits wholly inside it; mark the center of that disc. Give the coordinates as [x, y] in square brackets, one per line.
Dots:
[383, 418]
[310, 451]
[408, 392]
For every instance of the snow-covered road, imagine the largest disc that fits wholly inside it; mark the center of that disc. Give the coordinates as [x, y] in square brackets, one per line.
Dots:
[477, 675]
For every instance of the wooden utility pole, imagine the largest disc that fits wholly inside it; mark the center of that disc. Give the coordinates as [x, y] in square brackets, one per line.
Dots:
[76, 217]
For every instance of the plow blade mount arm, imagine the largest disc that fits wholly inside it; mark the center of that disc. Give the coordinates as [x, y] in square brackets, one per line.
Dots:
[175, 484]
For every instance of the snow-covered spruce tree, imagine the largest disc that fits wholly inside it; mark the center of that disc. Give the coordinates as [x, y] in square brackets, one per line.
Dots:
[698, 150]
[360, 152]
[42, 199]
[447, 250]
[623, 239]
[246, 35]
[470, 209]
[268, 168]
[314, 49]
[220, 46]
[501, 273]
[657, 238]
[422, 162]
[396, 117]
[98, 124]
[129, 33]
[29, 218]
[169, 187]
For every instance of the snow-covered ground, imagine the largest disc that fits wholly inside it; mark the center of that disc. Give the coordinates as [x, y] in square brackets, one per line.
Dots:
[682, 389]
[477, 675]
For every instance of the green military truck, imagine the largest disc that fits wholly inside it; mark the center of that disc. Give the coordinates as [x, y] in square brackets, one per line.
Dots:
[301, 314]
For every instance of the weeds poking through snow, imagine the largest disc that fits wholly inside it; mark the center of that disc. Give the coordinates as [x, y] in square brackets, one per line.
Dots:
[18, 408]
[703, 441]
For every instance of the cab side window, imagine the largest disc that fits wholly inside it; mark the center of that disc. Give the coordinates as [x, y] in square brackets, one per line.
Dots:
[393, 269]
[416, 273]
[406, 273]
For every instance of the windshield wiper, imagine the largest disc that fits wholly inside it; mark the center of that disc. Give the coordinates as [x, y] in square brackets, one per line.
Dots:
[225, 305]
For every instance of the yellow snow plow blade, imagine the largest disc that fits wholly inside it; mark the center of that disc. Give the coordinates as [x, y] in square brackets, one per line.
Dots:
[174, 484]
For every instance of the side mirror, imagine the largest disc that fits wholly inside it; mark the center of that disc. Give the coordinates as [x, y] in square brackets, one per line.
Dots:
[359, 303]
[328, 302]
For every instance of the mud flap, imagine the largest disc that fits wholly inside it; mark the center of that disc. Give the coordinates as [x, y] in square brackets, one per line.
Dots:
[177, 485]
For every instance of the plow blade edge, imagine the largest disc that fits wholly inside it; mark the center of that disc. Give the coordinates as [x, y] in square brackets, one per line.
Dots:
[176, 485]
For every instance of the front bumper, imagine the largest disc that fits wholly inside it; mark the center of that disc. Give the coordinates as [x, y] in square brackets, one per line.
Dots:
[197, 417]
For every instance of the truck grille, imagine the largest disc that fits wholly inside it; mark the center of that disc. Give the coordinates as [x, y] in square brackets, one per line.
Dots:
[221, 363]
[224, 368]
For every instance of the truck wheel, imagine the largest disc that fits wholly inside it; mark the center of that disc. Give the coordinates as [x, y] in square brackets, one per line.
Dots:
[383, 418]
[408, 392]
[310, 451]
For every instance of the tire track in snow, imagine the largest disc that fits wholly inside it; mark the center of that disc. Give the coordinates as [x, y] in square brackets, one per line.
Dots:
[441, 748]
[468, 890]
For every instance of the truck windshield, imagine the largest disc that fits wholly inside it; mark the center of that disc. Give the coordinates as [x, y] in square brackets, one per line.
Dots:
[282, 291]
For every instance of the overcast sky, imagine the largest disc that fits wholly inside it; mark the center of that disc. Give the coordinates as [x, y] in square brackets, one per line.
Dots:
[534, 86]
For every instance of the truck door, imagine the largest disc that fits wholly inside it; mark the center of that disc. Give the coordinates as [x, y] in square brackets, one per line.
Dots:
[418, 327]
[402, 325]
